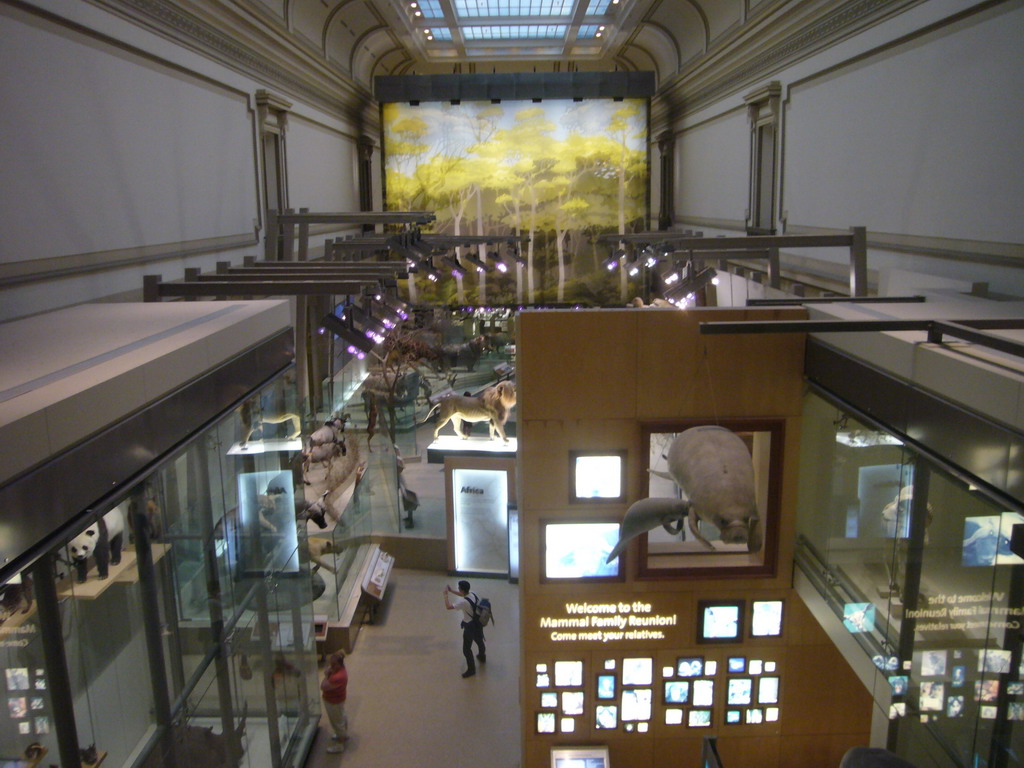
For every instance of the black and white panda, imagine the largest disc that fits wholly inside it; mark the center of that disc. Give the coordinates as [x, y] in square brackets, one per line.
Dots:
[102, 540]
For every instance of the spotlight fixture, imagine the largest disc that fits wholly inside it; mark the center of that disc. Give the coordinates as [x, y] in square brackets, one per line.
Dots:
[372, 327]
[634, 269]
[611, 263]
[395, 304]
[358, 344]
[454, 266]
[519, 258]
[499, 263]
[480, 265]
[428, 269]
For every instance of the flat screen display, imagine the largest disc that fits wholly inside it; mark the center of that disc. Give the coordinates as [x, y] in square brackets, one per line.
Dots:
[569, 673]
[598, 477]
[740, 691]
[690, 666]
[737, 665]
[579, 757]
[768, 690]
[636, 704]
[766, 618]
[699, 718]
[703, 693]
[572, 702]
[637, 671]
[606, 716]
[606, 686]
[579, 550]
[677, 691]
[720, 621]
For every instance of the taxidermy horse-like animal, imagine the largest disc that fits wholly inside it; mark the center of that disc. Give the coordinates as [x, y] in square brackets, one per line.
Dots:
[713, 469]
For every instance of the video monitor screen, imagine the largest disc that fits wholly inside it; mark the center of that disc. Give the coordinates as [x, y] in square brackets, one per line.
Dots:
[545, 722]
[549, 700]
[677, 691]
[699, 718]
[703, 693]
[719, 621]
[768, 690]
[579, 550]
[673, 717]
[598, 476]
[606, 716]
[987, 540]
[569, 673]
[766, 618]
[732, 716]
[579, 757]
[606, 686]
[755, 716]
[690, 666]
[740, 691]
[636, 704]
[637, 671]
[572, 702]
[737, 665]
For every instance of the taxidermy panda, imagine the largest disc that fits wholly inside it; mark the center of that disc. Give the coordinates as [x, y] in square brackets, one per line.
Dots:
[102, 540]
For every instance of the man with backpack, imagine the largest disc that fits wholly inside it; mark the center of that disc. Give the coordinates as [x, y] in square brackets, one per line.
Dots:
[476, 613]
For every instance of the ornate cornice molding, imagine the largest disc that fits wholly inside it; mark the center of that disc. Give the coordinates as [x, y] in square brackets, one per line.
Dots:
[706, 83]
[330, 90]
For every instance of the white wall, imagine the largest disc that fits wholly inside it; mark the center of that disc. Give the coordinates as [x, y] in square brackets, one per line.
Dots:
[322, 167]
[125, 154]
[910, 128]
[712, 161]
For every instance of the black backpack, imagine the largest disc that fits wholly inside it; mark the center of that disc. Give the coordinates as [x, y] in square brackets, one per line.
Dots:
[481, 610]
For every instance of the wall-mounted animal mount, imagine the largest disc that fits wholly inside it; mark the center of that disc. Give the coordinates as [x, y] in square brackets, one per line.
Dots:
[102, 540]
[493, 405]
[713, 469]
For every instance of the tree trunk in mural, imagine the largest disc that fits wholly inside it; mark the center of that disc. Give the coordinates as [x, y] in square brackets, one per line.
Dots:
[481, 249]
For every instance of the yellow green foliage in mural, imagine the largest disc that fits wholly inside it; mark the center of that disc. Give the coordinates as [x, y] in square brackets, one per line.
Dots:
[557, 174]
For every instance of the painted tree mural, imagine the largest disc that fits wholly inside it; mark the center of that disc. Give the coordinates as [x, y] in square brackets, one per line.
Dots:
[556, 173]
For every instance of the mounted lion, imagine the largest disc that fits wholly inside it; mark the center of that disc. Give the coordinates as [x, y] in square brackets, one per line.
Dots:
[493, 405]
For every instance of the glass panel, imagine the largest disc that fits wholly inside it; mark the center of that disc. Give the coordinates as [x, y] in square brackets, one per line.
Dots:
[27, 704]
[515, 32]
[513, 7]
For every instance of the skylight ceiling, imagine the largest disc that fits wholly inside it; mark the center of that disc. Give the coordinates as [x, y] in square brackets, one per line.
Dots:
[521, 29]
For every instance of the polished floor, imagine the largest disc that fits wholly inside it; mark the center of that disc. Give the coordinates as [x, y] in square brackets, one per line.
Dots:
[408, 706]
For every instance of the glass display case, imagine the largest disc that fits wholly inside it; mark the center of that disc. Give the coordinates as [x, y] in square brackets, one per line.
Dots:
[915, 558]
[179, 628]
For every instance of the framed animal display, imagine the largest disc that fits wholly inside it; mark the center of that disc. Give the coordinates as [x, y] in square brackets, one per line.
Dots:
[712, 498]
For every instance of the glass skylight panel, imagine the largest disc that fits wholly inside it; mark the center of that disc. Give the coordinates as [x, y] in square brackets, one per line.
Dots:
[598, 7]
[441, 33]
[587, 32]
[431, 9]
[479, 8]
[516, 32]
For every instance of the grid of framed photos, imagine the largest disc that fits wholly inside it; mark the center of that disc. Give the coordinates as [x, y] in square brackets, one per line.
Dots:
[561, 696]
[633, 692]
[954, 683]
[27, 701]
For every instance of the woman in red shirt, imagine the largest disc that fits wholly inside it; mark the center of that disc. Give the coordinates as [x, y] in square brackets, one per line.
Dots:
[334, 688]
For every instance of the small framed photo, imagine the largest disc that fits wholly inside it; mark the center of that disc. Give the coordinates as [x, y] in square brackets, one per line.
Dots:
[676, 691]
[736, 665]
[755, 715]
[606, 686]
[740, 691]
[699, 718]
[549, 700]
[572, 702]
[733, 716]
[606, 717]
[690, 666]
[766, 618]
[703, 693]
[719, 621]
[569, 674]
[545, 722]
[673, 716]
[768, 690]
[639, 671]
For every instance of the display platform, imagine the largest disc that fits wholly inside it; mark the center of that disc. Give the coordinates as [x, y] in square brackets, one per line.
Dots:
[451, 445]
[124, 572]
[266, 446]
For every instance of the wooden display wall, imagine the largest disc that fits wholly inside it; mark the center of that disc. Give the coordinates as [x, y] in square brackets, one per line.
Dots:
[589, 381]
